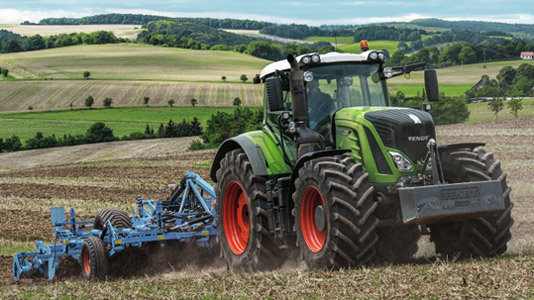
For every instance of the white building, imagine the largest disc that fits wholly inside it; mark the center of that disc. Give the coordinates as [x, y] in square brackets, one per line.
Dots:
[527, 55]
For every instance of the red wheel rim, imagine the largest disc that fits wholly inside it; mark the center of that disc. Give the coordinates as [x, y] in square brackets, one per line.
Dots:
[86, 262]
[236, 217]
[314, 238]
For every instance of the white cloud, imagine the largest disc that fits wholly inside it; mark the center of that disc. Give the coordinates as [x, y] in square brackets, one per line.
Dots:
[13, 16]
[506, 18]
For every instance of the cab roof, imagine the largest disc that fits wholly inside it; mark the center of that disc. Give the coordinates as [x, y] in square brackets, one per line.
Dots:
[331, 57]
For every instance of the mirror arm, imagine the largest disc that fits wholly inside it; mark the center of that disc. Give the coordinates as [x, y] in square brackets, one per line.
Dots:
[401, 70]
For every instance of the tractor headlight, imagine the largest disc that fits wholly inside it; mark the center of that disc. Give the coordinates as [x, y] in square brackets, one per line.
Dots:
[381, 56]
[402, 163]
[388, 72]
[306, 60]
[373, 55]
[308, 76]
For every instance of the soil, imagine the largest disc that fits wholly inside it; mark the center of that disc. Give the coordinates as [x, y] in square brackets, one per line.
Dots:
[40, 175]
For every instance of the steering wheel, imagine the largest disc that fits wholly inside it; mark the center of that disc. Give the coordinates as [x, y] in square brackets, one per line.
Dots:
[322, 126]
[326, 106]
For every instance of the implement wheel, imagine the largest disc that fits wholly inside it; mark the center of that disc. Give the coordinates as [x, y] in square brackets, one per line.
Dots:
[334, 213]
[94, 259]
[477, 237]
[118, 218]
[242, 220]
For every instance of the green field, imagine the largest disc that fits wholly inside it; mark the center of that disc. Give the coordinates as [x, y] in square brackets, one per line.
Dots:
[391, 46]
[123, 121]
[466, 74]
[479, 112]
[331, 39]
[411, 89]
[131, 61]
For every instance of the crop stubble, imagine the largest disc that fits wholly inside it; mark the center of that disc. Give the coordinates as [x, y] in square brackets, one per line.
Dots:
[118, 180]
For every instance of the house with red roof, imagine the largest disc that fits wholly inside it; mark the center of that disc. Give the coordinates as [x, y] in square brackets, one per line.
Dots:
[527, 55]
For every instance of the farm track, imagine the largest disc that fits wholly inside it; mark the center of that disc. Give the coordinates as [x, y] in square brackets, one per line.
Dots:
[27, 193]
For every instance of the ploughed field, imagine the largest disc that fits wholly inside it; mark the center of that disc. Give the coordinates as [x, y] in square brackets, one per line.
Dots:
[94, 177]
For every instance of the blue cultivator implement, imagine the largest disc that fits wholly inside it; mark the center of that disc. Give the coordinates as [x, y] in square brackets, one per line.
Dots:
[184, 214]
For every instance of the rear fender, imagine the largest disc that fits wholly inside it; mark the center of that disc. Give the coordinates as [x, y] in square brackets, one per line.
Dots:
[261, 149]
[251, 150]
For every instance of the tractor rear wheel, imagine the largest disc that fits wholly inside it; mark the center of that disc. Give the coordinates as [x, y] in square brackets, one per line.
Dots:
[477, 237]
[242, 220]
[118, 218]
[334, 213]
[94, 258]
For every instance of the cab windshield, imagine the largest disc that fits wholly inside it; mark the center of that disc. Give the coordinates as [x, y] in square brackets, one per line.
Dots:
[337, 86]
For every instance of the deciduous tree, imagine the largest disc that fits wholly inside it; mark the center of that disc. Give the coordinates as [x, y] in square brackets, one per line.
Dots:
[107, 102]
[89, 101]
[237, 101]
[496, 105]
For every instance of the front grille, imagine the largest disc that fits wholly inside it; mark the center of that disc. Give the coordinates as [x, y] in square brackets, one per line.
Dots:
[407, 130]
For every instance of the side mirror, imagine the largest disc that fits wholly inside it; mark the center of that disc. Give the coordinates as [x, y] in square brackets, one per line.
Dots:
[256, 79]
[431, 85]
[274, 95]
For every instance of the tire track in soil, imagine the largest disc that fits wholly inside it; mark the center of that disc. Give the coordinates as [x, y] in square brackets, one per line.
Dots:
[175, 173]
[28, 225]
[57, 191]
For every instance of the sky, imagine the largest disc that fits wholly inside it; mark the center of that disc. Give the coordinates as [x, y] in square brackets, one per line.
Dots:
[311, 12]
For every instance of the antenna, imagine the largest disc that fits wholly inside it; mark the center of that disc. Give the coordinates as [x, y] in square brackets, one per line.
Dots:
[335, 40]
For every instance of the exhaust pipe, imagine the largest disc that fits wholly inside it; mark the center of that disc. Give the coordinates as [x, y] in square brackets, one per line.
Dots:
[307, 140]
[298, 91]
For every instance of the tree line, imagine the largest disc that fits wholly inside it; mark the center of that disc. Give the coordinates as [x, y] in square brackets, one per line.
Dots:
[140, 19]
[462, 53]
[10, 42]
[101, 20]
[510, 82]
[99, 133]
[474, 25]
[299, 31]
[182, 34]
[194, 36]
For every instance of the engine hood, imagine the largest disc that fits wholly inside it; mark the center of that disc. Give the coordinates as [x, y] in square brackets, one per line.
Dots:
[405, 129]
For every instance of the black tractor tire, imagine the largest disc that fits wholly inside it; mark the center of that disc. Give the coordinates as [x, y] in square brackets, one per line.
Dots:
[242, 219]
[397, 244]
[477, 237]
[336, 189]
[94, 259]
[118, 218]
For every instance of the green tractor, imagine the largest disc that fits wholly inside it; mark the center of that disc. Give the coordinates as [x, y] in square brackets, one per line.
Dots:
[340, 177]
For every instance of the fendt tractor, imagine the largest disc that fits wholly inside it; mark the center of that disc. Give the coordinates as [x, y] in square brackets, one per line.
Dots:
[348, 180]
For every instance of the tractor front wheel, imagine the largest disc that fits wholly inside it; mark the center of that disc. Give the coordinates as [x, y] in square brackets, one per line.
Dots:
[477, 237]
[242, 220]
[94, 259]
[334, 213]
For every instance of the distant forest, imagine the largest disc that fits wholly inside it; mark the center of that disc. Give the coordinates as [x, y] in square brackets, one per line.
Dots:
[474, 25]
[145, 19]
[11, 42]
[441, 43]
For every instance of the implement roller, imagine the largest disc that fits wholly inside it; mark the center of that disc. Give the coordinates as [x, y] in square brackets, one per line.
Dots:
[185, 214]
